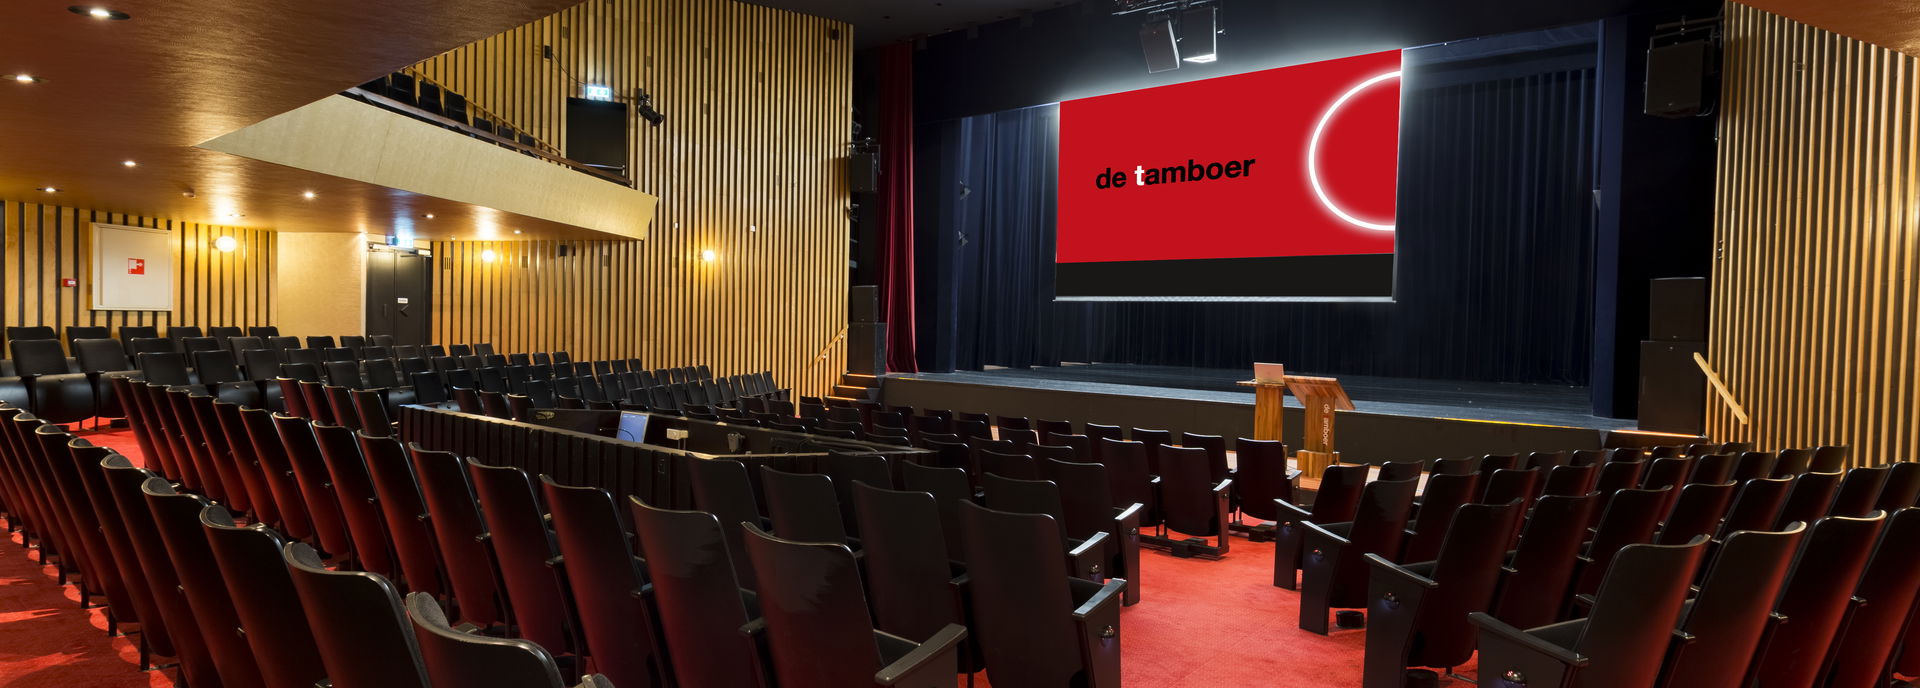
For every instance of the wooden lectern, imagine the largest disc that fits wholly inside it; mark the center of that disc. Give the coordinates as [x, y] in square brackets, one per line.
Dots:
[1320, 395]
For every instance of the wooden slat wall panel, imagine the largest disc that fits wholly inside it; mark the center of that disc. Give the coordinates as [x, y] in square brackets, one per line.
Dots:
[1816, 289]
[749, 164]
[45, 243]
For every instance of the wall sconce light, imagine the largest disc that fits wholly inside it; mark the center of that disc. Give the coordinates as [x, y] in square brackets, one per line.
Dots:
[488, 256]
[708, 256]
[226, 244]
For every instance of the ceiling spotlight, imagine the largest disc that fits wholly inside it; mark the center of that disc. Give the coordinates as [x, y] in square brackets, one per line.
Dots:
[226, 244]
[429, 216]
[47, 189]
[98, 12]
[23, 78]
[129, 163]
[308, 195]
[234, 216]
[516, 231]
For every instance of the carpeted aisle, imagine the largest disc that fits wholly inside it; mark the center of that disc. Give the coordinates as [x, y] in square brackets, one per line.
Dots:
[1207, 624]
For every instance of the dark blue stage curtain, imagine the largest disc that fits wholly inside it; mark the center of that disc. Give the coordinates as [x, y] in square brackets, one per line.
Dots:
[1496, 224]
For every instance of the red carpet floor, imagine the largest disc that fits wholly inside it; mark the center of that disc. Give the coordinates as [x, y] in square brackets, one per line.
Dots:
[1210, 624]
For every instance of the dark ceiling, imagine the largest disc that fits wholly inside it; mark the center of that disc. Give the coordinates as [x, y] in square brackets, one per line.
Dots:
[879, 22]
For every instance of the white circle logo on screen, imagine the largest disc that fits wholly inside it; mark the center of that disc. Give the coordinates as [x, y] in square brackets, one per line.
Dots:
[1313, 154]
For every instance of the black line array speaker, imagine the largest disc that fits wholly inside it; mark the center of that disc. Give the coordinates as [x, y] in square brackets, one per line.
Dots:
[863, 172]
[867, 348]
[1682, 77]
[1673, 391]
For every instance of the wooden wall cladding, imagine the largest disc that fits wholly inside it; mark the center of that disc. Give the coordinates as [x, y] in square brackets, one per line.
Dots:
[749, 165]
[1816, 288]
[46, 243]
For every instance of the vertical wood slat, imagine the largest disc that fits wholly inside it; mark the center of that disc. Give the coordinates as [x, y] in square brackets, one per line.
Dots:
[749, 164]
[1816, 285]
[47, 243]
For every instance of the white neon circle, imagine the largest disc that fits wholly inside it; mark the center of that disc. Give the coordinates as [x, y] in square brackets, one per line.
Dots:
[1313, 154]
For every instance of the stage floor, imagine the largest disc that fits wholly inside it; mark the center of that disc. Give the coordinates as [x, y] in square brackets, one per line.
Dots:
[1482, 401]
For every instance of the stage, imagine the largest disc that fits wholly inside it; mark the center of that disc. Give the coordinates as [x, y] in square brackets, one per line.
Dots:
[1394, 418]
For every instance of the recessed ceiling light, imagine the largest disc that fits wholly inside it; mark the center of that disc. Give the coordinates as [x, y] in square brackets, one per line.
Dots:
[429, 216]
[129, 163]
[516, 231]
[308, 195]
[98, 12]
[24, 78]
[48, 189]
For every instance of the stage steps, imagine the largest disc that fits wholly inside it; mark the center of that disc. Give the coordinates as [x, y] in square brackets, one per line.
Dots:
[857, 386]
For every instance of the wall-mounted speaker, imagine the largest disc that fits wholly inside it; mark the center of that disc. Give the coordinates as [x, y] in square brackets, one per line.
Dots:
[1677, 309]
[863, 172]
[1157, 39]
[1683, 73]
[564, 250]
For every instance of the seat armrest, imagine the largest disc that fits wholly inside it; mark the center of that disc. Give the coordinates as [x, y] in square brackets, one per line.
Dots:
[1085, 561]
[1318, 535]
[1396, 576]
[939, 656]
[1289, 512]
[1127, 519]
[1098, 621]
[1514, 655]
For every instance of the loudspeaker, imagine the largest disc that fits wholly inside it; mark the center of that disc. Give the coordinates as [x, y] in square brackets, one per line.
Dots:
[1673, 391]
[1681, 78]
[863, 304]
[1156, 38]
[863, 172]
[867, 348]
[1677, 309]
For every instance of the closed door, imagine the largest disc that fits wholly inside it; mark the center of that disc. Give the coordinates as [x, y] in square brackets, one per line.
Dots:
[400, 296]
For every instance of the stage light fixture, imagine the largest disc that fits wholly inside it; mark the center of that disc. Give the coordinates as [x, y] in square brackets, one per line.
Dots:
[1199, 35]
[643, 105]
[1158, 42]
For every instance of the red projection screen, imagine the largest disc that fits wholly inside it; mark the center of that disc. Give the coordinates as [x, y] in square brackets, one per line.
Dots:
[1268, 185]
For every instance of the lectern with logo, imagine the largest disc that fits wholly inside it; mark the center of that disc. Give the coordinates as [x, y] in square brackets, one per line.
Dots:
[1321, 396]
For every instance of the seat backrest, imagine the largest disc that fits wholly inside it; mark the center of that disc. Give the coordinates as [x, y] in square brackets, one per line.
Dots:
[270, 613]
[1509, 484]
[1339, 493]
[459, 532]
[1697, 512]
[803, 506]
[523, 546]
[1086, 496]
[1631, 518]
[1012, 464]
[31, 332]
[1127, 469]
[1571, 479]
[319, 342]
[1815, 598]
[1022, 603]
[695, 591]
[1262, 476]
[124, 482]
[100, 355]
[1216, 448]
[38, 356]
[1859, 492]
[1381, 520]
[1888, 585]
[283, 343]
[316, 485]
[152, 345]
[606, 583]
[177, 518]
[1756, 506]
[949, 487]
[405, 514]
[1791, 462]
[1401, 470]
[1810, 497]
[1467, 571]
[1439, 505]
[345, 374]
[1726, 619]
[1713, 468]
[1022, 496]
[261, 364]
[1831, 459]
[1902, 488]
[263, 331]
[1543, 564]
[1186, 491]
[1633, 615]
[128, 333]
[818, 627]
[216, 366]
[847, 469]
[1097, 431]
[357, 623]
[1752, 465]
[193, 344]
[276, 469]
[455, 658]
[224, 332]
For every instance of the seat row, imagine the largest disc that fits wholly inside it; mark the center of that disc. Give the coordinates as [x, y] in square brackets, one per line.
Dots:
[1568, 579]
[364, 510]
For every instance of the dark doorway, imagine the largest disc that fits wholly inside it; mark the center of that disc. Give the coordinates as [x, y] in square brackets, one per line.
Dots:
[400, 296]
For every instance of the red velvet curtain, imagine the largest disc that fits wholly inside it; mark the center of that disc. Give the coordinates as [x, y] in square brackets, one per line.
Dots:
[896, 204]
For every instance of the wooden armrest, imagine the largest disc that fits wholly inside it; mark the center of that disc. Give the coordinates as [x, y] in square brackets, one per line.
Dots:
[921, 662]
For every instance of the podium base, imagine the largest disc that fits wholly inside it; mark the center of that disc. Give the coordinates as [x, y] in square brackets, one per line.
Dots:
[1313, 464]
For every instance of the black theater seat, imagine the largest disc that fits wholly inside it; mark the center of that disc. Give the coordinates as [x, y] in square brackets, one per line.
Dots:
[57, 393]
